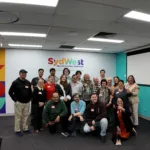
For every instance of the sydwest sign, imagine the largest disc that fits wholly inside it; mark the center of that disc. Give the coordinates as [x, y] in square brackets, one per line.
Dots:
[66, 62]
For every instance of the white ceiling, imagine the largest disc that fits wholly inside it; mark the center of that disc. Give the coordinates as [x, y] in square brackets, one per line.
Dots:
[72, 22]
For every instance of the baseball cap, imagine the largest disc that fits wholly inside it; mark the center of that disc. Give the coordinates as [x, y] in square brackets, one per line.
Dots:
[23, 71]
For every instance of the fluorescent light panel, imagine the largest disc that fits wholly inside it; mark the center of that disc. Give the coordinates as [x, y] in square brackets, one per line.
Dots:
[138, 16]
[52, 3]
[25, 45]
[105, 40]
[23, 34]
[82, 48]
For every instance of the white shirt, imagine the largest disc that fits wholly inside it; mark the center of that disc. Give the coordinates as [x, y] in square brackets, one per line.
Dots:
[76, 88]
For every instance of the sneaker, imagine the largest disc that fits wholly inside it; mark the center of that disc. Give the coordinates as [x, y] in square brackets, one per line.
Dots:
[134, 132]
[65, 134]
[103, 139]
[19, 134]
[27, 131]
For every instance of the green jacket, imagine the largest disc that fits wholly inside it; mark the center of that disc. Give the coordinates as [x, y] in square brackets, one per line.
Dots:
[52, 110]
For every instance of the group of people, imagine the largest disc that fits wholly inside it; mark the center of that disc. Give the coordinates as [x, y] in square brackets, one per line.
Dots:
[75, 102]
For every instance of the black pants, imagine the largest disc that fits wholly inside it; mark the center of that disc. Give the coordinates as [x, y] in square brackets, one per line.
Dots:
[37, 116]
[0, 142]
[63, 122]
[73, 124]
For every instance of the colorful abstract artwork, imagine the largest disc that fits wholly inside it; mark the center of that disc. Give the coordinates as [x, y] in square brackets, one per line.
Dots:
[2, 82]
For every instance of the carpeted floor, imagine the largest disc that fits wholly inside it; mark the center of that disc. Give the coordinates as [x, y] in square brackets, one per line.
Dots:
[46, 141]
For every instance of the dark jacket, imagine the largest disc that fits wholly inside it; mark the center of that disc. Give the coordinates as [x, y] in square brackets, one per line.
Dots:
[52, 110]
[123, 95]
[95, 112]
[39, 95]
[20, 91]
[126, 119]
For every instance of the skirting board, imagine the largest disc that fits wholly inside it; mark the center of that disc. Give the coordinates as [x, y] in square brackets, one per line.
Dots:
[146, 118]
[5, 115]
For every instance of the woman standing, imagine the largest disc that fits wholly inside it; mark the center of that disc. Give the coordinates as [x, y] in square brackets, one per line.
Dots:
[121, 92]
[65, 91]
[116, 83]
[124, 126]
[38, 102]
[66, 72]
[133, 89]
[50, 88]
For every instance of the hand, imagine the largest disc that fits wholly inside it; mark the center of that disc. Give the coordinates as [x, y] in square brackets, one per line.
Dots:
[81, 118]
[50, 123]
[65, 99]
[93, 122]
[107, 105]
[128, 91]
[114, 106]
[92, 128]
[41, 104]
[57, 119]
[118, 130]
[70, 118]
[121, 108]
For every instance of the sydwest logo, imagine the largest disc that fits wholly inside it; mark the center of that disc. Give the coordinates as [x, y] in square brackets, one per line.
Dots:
[66, 62]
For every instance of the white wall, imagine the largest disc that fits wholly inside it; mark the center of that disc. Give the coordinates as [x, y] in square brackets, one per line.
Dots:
[32, 60]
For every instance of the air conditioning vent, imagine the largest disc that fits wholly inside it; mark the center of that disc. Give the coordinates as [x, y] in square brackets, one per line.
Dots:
[67, 46]
[104, 34]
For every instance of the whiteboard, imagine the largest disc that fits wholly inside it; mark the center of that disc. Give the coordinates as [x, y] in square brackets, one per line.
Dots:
[139, 66]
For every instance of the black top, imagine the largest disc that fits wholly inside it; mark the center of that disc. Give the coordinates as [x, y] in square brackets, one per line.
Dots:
[95, 112]
[39, 95]
[126, 119]
[67, 90]
[35, 81]
[20, 91]
[123, 95]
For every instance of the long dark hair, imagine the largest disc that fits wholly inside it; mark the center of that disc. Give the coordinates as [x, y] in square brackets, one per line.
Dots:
[64, 84]
[132, 77]
[116, 84]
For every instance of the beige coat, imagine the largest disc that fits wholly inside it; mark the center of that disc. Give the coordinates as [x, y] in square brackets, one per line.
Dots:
[134, 89]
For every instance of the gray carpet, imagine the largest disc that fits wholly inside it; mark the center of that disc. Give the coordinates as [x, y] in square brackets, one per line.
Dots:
[46, 141]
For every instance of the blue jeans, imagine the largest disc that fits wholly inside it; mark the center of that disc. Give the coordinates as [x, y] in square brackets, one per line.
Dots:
[103, 124]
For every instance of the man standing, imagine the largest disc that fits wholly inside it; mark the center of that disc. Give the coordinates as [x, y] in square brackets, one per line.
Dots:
[95, 117]
[53, 73]
[78, 74]
[36, 79]
[76, 86]
[96, 85]
[102, 75]
[77, 110]
[20, 92]
[54, 113]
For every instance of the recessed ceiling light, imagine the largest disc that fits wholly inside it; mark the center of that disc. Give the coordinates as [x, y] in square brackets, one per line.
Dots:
[105, 40]
[23, 34]
[52, 3]
[90, 49]
[138, 16]
[25, 45]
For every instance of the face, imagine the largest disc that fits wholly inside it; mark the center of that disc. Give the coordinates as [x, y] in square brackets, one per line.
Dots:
[104, 84]
[130, 80]
[53, 72]
[121, 85]
[55, 97]
[51, 79]
[86, 77]
[66, 72]
[116, 80]
[41, 72]
[23, 75]
[41, 83]
[119, 102]
[78, 75]
[77, 98]
[94, 98]
[74, 79]
[102, 73]
[63, 78]
[96, 81]
[109, 82]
